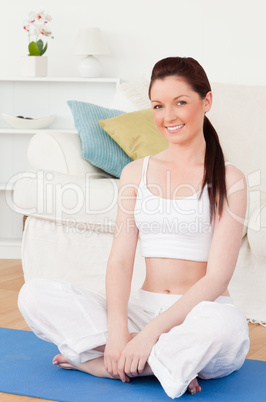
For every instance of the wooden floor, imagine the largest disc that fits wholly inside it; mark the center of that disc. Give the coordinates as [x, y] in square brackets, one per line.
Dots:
[11, 280]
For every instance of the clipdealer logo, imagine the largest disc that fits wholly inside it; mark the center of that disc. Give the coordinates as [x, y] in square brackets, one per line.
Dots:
[63, 199]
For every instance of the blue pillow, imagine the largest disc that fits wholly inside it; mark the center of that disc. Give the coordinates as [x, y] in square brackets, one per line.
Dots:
[97, 146]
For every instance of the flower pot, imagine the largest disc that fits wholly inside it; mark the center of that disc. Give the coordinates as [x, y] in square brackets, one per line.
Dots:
[34, 66]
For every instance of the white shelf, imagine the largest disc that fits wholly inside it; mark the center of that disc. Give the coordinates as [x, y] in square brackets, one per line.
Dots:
[30, 132]
[3, 187]
[61, 79]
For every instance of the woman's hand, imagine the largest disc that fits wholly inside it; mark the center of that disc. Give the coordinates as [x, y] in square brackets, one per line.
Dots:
[135, 354]
[114, 346]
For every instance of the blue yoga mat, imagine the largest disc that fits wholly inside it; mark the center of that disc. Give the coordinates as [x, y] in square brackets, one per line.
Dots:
[26, 369]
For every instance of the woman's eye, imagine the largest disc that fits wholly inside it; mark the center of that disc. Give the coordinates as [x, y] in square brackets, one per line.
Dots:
[181, 103]
[157, 107]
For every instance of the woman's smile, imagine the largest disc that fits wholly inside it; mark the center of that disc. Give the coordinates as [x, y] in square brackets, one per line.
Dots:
[175, 129]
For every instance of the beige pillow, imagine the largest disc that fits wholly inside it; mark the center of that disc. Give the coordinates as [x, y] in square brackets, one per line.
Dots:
[136, 133]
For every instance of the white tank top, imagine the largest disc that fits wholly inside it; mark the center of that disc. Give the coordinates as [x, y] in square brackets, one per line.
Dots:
[173, 228]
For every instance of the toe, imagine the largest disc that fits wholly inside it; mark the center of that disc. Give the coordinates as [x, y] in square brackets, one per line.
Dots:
[56, 359]
[65, 366]
[62, 362]
[194, 387]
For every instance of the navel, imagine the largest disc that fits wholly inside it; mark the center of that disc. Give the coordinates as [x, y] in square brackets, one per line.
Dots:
[167, 291]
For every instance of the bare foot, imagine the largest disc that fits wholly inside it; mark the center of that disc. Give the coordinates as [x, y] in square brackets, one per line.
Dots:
[94, 367]
[194, 387]
[62, 362]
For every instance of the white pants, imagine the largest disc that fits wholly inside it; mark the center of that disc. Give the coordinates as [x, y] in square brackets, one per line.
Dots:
[212, 342]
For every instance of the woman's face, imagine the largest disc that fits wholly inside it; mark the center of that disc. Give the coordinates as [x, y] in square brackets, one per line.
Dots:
[178, 111]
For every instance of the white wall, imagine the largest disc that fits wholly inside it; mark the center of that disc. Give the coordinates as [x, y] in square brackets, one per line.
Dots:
[227, 37]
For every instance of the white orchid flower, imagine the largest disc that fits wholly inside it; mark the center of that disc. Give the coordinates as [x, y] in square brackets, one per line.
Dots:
[32, 17]
[36, 25]
[47, 17]
[45, 33]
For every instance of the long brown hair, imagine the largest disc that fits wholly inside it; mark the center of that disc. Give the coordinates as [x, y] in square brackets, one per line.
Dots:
[214, 167]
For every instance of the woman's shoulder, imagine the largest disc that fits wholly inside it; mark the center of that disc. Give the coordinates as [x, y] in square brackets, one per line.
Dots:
[232, 168]
[233, 175]
[132, 167]
[132, 172]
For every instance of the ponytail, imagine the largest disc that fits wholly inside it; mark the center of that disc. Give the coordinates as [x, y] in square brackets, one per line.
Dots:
[214, 169]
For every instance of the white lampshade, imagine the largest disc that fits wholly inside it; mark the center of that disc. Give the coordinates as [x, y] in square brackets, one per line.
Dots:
[90, 42]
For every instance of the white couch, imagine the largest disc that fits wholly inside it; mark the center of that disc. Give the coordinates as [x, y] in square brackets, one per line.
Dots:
[68, 238]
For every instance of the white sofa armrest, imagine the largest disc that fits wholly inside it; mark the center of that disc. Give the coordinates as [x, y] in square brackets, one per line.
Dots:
[88, 201]
[59, 152]
[257, 231]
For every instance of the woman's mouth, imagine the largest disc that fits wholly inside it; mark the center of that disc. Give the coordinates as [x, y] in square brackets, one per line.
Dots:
[175, 129]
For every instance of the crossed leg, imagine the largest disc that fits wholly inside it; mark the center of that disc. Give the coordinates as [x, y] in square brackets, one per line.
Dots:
[96, 367]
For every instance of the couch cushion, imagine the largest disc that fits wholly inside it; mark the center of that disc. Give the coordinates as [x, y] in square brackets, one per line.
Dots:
[132, 96]
[59, 152]
[238, 114]
[257, 231]
[136, 133]
[97, 146]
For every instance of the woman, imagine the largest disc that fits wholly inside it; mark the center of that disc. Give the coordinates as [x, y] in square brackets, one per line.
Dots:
[188, 207]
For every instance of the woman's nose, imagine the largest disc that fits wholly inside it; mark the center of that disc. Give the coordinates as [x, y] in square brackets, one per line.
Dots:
[170, 115]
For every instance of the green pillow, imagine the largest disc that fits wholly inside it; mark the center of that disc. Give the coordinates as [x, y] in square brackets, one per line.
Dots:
[136, 133]
[97, 146]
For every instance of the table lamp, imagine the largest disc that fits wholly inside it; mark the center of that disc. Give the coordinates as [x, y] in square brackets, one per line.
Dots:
[90, 42]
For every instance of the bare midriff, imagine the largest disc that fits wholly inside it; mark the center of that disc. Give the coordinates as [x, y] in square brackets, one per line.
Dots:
[173, 276]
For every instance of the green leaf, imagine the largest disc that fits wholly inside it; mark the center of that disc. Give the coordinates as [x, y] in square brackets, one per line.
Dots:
[44, 49]
[34, 49]
[40, 46]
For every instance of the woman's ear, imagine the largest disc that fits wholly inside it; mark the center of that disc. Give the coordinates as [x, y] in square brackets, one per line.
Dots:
[208, 102]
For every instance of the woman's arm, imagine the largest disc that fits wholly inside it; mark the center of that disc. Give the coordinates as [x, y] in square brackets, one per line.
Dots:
[121, 260]
[120, 269]
[223, 256]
